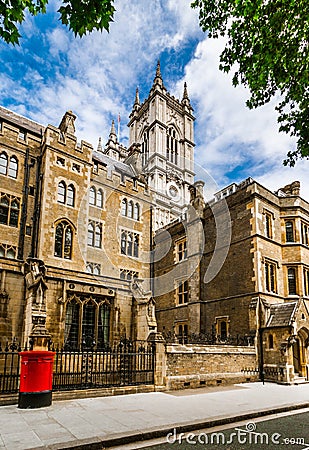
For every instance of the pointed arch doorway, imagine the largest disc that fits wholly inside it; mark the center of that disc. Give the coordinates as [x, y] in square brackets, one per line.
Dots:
[300, 353]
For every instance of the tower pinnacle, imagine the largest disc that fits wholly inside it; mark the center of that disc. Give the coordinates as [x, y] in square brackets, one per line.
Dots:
[137, 101]
[99, 149]
[158, 80]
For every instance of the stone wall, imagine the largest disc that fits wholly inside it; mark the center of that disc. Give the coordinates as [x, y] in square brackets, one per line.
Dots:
[192, 366]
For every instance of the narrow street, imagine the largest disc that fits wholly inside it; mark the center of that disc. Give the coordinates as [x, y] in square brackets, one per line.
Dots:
[288, 430]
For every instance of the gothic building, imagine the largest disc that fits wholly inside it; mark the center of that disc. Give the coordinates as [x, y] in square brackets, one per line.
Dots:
[76, 223]
[100, 244]
[250, 279]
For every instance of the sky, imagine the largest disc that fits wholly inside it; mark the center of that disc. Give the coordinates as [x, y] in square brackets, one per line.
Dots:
[96, 77]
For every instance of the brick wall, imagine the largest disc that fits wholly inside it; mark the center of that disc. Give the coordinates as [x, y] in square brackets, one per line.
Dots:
[192, 366]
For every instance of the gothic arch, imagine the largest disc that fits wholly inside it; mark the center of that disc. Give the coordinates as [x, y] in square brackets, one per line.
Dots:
[64, 219]
[173, 124]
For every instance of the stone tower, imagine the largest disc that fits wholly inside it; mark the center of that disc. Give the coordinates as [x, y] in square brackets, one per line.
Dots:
[163, 128]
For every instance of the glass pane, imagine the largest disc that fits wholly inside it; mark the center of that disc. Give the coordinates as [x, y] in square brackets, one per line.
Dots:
[3, 163]
[289, 232]
[96, 269]
[124, 207]
[58, 240]
[98, 236]
[71, 326]
[292, 281]
[88, 336]
[14, 214]
[71, 192]
[13, 167]
[61, 192]
[68, 243]
[136, 211]
[90, 239]
[100, 199]
[4, 214]
[124, 243]
[130, 245]
[92, 196]
[130, 209]
[11, 253]
[103, 326]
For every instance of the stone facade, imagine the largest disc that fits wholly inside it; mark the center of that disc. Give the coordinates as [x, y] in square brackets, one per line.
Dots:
[250, 279]
[102, 244]
[76, 223]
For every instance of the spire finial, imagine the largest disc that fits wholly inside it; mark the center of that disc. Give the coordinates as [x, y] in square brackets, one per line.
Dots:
[136, 102]
[113, 129]
[185, 92]
[158, 70]
[99, 149]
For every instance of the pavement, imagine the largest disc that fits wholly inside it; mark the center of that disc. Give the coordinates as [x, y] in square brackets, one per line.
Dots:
[95, 423]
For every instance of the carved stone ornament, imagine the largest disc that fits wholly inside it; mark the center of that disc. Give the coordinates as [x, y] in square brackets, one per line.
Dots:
[174, 175]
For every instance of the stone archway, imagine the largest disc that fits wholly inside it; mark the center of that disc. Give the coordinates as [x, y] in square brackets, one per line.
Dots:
[300, 353]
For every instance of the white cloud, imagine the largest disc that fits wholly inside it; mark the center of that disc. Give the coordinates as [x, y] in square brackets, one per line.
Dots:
[231, 138]
[96, 77]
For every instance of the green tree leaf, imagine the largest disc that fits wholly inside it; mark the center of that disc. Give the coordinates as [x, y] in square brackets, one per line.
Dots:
[268, 41]
[81, 16]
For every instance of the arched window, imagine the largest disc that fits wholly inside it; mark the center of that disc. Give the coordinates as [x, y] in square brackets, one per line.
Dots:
[90, 234]
[13, 167]
[124, 207]
[62, 192]
[292, 281]
[172, 145]
[289, 232]
[98, 236]
[71, 195]
[87, 324]
[3, 163]
[92, 196]
[136, 211]
[130, 209]
[94, 234]
[63, 240]
[99, 201]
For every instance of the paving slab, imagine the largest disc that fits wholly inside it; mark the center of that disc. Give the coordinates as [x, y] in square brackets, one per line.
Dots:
[91, 423]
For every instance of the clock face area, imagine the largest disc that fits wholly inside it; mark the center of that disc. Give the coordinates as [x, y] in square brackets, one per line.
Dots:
[173, 191]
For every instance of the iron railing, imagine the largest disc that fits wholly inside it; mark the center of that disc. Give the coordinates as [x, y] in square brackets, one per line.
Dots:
[123, 364]
[9, 368]
[208, 339]
[265, 373]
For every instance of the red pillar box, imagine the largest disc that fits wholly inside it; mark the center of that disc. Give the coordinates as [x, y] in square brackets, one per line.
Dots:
[36, 377]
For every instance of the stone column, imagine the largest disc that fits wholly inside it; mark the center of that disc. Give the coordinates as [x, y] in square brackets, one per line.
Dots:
[160, 363]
